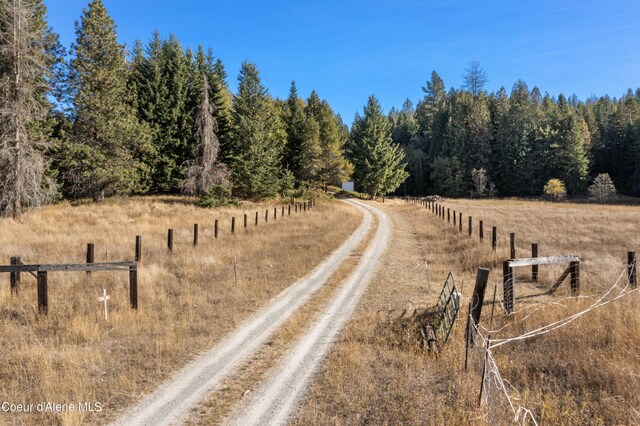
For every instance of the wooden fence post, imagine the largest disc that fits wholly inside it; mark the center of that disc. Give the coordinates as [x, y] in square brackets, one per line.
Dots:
[282, 212]
[512, 244]
[138, 248]
[170, 239]
[481, 230]
[631, 268]
[289, 212]
[90, 255]
[482, 277]
[133, 286]
[233, 224]
[460, 222]
[14, 277]
[507, 287]
[494, 236]
[215, 229]
[43, 300]
[256, 218]
[454, 219]
[575, 278]
[245, 221]
[448, 215]
[275, 213]
[266, 216]
[534, 268]
[470, 225]
[304, 206]
[195, 234]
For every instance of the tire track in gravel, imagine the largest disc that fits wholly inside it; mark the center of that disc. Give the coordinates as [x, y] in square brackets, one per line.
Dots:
[275, 401]
[172, 401]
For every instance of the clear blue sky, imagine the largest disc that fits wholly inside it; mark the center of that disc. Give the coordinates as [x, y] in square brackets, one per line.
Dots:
[348, 49]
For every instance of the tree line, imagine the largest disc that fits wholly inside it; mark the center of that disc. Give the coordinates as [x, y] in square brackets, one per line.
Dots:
[99, 119]
[466, 141]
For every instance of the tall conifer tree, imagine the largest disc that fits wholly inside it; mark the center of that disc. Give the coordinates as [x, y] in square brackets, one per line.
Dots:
[379, 163]
[294, 118]
[257, 146]
[108, 139]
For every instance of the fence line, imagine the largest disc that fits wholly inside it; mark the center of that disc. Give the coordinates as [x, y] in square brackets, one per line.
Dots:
[495, 391]
[17, 265]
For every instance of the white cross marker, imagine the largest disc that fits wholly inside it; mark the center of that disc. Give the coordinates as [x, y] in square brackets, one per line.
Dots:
[104, 299]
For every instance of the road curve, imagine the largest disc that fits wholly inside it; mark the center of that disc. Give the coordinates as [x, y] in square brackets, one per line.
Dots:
[172, 401]
[277, 399]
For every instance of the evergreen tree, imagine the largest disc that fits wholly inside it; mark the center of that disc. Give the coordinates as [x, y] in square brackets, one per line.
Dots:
[333, 166]
[222, 100]
[257, 148]
[28, 50]
[480, 133]
[405, 132]
[512, 144]
[103, 158]
[379, 163]
[294, 119]
[571, 142]
[431, 115]
[310, 152]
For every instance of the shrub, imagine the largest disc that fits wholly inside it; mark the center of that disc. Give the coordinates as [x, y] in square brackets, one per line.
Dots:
[555, 189]
[217, 196]
[602, 189]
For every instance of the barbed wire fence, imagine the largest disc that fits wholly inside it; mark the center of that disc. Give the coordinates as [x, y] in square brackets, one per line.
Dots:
[498, 398]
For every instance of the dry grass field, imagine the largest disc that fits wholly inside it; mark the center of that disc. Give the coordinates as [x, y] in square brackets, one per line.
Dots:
[586, 372]
[188, 299]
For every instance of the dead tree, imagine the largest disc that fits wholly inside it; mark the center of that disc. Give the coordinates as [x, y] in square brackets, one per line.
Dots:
[26, 66]
[205, 171]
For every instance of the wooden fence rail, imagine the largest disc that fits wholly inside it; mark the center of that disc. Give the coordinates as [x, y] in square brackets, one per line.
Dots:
[42, 270]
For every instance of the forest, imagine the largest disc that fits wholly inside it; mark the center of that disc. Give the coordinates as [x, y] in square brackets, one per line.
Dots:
[99, 118]
[468, 142]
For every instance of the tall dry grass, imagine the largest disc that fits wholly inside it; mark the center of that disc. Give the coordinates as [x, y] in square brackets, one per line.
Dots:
[587, 372]
[188, 299]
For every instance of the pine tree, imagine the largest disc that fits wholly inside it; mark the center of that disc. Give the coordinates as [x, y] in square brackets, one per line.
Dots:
[379, 163]
[512, 145]
[570, 139]
[333, 166]
[431, 115]
[107, 136]
[223, 101]
[480, 133]
[257, 142]
[28, 50]
[405, 132]
[310, 152]
[294, 118]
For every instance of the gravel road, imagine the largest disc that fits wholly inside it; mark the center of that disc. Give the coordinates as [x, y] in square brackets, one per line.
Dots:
[277, 398]
[172, 401]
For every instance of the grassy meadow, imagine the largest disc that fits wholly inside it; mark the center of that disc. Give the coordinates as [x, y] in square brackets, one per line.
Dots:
[586, 372]
[188, 299]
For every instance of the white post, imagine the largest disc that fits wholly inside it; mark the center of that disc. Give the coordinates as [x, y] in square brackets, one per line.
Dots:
[104, 299]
